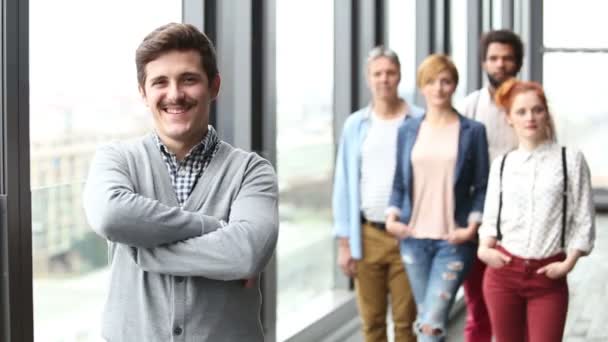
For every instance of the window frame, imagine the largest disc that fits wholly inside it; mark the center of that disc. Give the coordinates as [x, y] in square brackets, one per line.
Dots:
[15, 235]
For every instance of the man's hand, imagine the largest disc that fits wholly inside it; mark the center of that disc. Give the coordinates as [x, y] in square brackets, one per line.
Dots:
[493, 257]
[556, 270]
[347, 264]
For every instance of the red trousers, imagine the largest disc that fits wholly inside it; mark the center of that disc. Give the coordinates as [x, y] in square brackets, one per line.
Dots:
[477, 327]
[523, 305]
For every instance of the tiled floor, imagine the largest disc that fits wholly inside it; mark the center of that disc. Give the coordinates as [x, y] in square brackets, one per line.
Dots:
[588, 310]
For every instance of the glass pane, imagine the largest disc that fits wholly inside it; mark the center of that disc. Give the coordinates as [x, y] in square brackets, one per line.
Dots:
[575, 24]
[305, 157]
[402, 39]
[580, 105]
[83, 91]
[458, 39]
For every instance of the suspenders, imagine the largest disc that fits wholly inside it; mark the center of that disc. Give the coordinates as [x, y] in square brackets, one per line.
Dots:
[564, 198]
[502, 167]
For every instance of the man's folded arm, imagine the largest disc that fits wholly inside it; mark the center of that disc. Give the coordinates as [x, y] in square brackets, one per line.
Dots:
[240, 249]
[118, 214]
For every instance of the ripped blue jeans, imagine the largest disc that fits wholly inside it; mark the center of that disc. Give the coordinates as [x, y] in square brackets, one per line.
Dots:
[435, 269]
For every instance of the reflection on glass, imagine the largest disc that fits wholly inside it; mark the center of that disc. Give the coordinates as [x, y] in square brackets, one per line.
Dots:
[305, 149]
[578, 101]
[402, 40]
[575, 24]
[83, 91]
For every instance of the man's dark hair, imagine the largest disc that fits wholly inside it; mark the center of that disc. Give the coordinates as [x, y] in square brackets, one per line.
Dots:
[175, 37]
[506, 37]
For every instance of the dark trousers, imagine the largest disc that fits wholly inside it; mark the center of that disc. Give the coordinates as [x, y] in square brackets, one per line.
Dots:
[477, 327]
[523, 305]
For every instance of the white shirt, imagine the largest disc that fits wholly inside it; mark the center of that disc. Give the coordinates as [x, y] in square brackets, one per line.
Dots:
[480, 106]
[378, 160]
[531, 218]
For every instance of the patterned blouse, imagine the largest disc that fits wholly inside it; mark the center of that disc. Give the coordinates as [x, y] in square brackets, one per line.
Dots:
[531, 218]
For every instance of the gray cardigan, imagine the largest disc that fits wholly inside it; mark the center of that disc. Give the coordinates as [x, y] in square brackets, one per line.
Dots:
[176, 273]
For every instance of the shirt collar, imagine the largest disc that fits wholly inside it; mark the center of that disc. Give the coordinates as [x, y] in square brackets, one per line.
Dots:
[539, 150]
[198, 149]
[369, 109]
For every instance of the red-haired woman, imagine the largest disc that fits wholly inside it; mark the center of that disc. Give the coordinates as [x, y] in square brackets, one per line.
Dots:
[538, 221]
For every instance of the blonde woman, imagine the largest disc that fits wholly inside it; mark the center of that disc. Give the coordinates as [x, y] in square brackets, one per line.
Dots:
[437, 198]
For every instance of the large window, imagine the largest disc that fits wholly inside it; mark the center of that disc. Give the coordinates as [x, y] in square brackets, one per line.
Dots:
[574, 70]
[402, 39]
[83, 92]
[305, 159]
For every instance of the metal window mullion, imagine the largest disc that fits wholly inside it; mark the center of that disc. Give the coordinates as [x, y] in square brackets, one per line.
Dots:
[424, 36]
[441, 22]
[366, 27]
[381, 29]
[17, 235]
[507, 14]
[474, 25]
[536, 41]
[486, 16]
[193, 12]
[234, 48]
[529, 25]
[345, 69]
[263, 130]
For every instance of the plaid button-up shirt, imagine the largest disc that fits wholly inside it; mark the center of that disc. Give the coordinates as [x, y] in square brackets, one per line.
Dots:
[186, 173]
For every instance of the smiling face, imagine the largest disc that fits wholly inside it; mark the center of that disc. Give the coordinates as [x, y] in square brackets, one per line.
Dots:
[383, 78]
[529, 117]
[438, 91]
[179, 94]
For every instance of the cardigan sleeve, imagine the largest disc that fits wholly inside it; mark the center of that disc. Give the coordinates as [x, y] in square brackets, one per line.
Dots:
[238, 250]
[119, 214]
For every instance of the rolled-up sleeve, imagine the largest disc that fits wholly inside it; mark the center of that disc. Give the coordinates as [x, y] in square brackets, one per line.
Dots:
[341, 195]
[582, 234]
[490, 208]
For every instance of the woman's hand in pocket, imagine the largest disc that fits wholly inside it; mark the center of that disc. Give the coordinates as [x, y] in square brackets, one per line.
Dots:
[555, 270]
[397, 228]
[493, 257]
[461, 235]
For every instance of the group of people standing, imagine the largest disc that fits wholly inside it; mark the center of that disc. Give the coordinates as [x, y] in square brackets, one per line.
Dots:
[419, 211]
[191, 221]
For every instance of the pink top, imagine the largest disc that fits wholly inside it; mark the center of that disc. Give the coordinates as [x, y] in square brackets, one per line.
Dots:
[434, 163]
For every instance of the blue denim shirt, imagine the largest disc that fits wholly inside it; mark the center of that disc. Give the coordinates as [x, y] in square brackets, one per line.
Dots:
[471, 178]
[346, 194]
